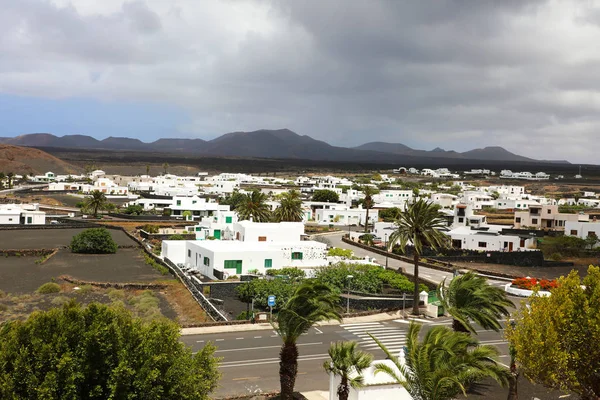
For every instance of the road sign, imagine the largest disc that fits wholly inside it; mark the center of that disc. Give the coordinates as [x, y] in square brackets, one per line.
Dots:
[271, 301]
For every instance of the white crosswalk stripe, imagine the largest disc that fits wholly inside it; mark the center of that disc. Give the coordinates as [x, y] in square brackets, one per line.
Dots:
[391, 336]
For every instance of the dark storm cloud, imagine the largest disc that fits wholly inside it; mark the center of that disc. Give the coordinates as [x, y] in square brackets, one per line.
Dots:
[454, 74]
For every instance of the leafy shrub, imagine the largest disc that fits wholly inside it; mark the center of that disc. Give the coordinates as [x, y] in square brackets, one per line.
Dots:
[94, 241]
[150, 228]
[556, 256]
[337, 252]
[146, 305]
[134, 209]
[365, 278]
[243, 316]
[116, 294]
[176, 237]
[59, 300]
[569, 246]
[83, 289]
[49, 287]
[326, 195]
[261, 289]
[292, 273]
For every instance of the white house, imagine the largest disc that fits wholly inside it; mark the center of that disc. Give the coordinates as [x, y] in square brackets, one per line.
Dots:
[345, 216]
[582, 229]
[490, 238]
[24, 214]
[216, 226]
[376, 386]
[47, 177]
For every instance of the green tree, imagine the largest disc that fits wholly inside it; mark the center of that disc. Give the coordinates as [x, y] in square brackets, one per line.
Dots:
[469, 297]
[148, 169]
[101, 352]
[165, 167]
[556, 337]
[233, 200]
[347, 362]
[134, 209]
[10, 176]
[2, 178]
[368, 202]
[312, 302]
[419, 225]
[443, 364]
[94, 241]
[254, 206]
[390, 214]
[95, 202]
[325, 195]
[246, 292]
[290, 207]
[187, 214]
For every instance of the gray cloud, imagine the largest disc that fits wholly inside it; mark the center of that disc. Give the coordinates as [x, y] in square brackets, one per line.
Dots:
[520, 74]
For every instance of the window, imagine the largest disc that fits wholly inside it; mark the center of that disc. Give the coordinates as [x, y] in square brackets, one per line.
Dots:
[193, 201]
[534, 221]
[522, 243]
[29, 220]
[268, 263]
[198, 229]
[549, 211]
[262, 238]
[228, 220]
[482, 244]
[574, 232]
[178, 202]
[592, 234]
[461, 220]
[206, 261]
[234, 264]
[296, 255]
[189, 253]
[518, 220]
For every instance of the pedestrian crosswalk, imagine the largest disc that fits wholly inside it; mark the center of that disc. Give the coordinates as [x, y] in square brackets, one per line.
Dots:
[391, 336]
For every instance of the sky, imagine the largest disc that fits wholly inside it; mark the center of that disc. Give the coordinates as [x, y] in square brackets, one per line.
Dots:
[455, 74]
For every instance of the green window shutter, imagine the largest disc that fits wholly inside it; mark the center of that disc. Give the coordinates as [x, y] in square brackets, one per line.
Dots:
[178, 202]
[228, 220]
[268, 263]
[206, 261]
[29, 220]
[198, 229]
[217, 234]
[296, 255]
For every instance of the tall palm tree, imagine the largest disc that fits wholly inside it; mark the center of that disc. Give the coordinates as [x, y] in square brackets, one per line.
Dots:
[442, 364]
[368, 203]
[95, 202]
[348, 363]
[311, 302]
[468, 298]
[419, 224]
[290, 207]
[10, 177]
[2, 178]
[254, 205]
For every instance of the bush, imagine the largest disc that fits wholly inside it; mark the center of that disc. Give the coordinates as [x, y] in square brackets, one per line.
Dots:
[176, 237]
[158, 267]
[94, 241]
[533, 283]
[291, 273]
[337, 252]
[325, 195]
[134, 209]
[48, 288]
[116, 294]
[366, 278]
[555, 256]
[243, 316]
[59, 300]
[569, 246]
[150, 228]
[261, 289]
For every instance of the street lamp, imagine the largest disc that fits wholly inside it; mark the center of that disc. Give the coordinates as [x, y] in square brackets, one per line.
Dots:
[386, 250]
[348, 277]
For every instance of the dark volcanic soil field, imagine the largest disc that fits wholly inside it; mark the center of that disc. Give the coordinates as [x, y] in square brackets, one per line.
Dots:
[50, 238]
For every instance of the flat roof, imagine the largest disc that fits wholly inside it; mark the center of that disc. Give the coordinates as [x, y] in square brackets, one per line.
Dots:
[238, 246]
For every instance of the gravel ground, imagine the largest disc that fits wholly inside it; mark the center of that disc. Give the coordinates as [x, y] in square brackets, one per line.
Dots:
[50, 238]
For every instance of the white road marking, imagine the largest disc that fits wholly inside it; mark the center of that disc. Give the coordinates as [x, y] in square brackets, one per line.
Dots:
[238, 338]
[199, 341]
[257, 337]
[265, 347]
[219, 340]
[361, 324]
[319, 332]
[245, 363]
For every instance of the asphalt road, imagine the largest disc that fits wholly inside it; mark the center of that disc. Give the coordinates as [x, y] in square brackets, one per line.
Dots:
[250, 360]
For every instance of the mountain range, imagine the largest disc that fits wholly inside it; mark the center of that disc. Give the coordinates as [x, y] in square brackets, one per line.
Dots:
[265, 143]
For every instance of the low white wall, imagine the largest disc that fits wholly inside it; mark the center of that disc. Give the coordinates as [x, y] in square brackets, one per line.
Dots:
[522, 292]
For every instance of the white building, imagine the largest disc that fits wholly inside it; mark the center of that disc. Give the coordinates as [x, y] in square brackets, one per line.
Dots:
[24, 214]
[255, 246]
[346, 216]
[582, 229]
[490, 238]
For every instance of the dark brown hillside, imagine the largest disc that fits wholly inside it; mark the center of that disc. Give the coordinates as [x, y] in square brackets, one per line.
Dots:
[27, 160]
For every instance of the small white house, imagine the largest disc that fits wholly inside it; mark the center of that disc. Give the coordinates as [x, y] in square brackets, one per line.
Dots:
[582, 230]
[24, 214]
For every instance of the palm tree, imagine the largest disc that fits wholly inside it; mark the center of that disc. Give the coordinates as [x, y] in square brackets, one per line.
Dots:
[347, 362]
[148, 169]
[2, 178]
[443, 364]
[95, 202]
[368, 203]
[311, 302]
[165, 167]
[290, 207]
[10, 177]
[469, 297]
[254, 206]
[513, 380]
[419, 224]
